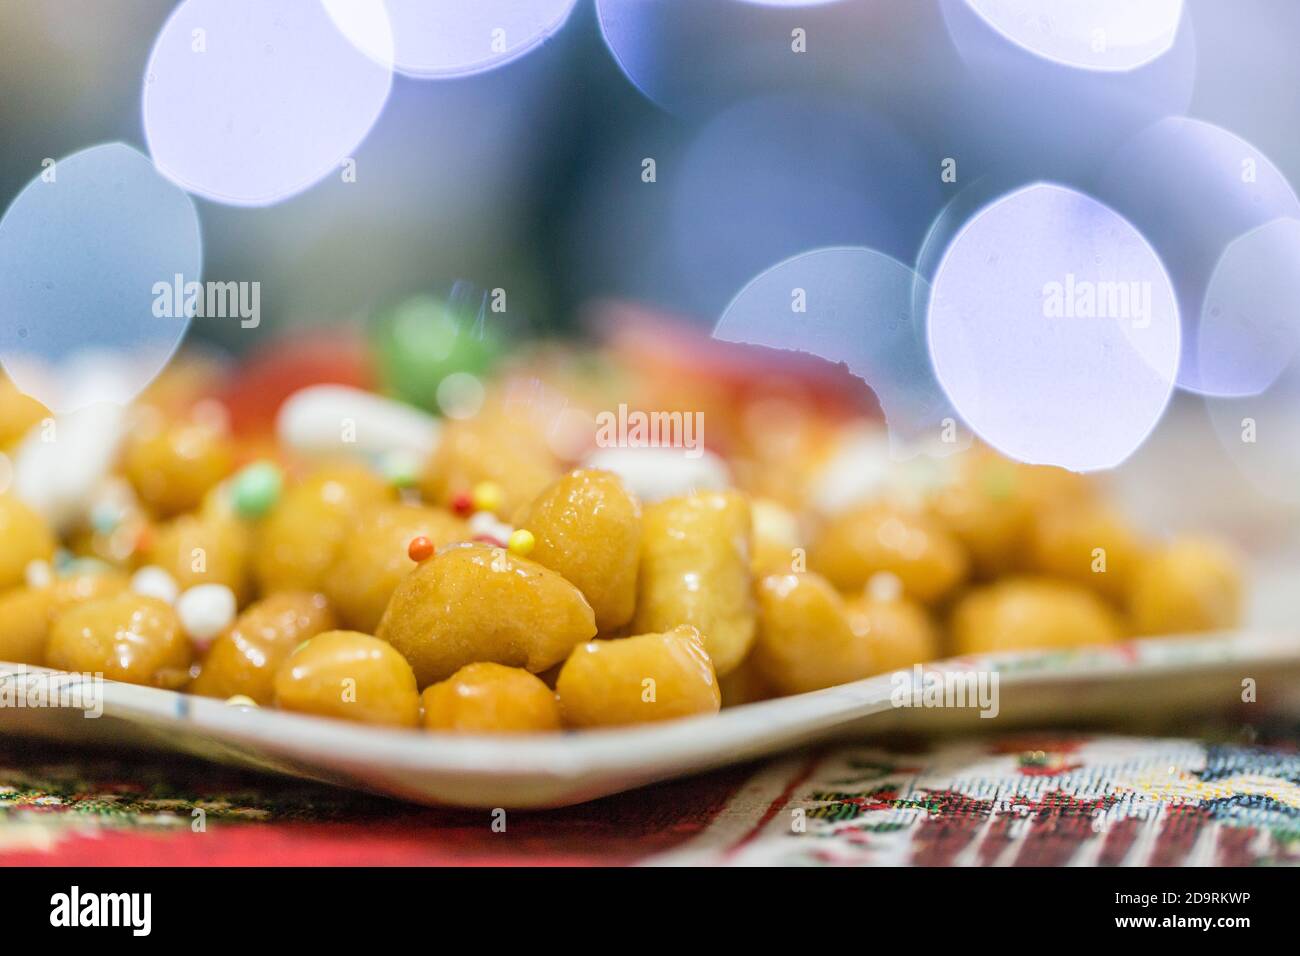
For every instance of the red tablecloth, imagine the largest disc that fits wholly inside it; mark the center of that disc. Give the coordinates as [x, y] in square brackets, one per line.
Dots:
[1050, 799]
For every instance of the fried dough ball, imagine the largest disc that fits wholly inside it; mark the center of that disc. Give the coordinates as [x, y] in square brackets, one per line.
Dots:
[492, 447]
[1191, 585]
[899, 632]
[695, 569]
[204, 548]
[1090, 546]
[244, 658]
[776, 537]
[587, 527]
[300, 540]
[744, 685]
[26, 613]
[373, 558]
[24, 537]
[488, 698]
[986, 510]
[873, 538]
[474, 602]
[351, 676]
[634, 680]
[126, 636]
[1032, 614]
[173, 465]
[805, 641]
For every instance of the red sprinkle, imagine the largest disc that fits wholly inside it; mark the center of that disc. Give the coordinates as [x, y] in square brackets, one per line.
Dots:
[462, 503]
[420, 549]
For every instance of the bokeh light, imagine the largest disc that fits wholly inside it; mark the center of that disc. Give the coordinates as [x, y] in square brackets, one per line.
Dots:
[850, 305]
[774, 177]
[1014, 105]
[82, 248]
[693, 57]
[1108, 35]
[433, 39]
[1054, 331]
[1192, 189]
[1250, 322]
[249, 103]
[968, 200]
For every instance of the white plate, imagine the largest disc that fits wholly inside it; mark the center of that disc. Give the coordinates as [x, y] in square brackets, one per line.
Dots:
[1155, 677]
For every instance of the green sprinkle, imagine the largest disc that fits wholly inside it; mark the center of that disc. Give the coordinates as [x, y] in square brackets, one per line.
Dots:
[400, 469]
[256, 489]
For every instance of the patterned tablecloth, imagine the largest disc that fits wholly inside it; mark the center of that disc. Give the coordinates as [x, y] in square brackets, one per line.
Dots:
[1047, 799]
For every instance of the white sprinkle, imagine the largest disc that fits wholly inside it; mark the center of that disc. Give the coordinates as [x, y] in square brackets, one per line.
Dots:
[61, 463]
[859, 469]
[486, 523]
[153, 581]
[653, 474]
[205, 611]
[38, 574]
[334, 419]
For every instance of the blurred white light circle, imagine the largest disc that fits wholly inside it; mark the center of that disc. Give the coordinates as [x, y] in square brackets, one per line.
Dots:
[1250, 322]
[1053, 329]
[775, 176]
[248, 102]
[1106, 35]
[1201, 195]
[951, 219]
[435, 38]
[1012, 106]
[90, 255]
[850, 305]
[460, 395]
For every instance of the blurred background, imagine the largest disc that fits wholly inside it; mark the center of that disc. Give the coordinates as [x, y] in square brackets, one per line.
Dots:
[665, 153]
[528, 174]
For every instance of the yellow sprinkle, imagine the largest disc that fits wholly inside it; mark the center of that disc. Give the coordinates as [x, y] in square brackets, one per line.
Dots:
[239, 700]
[486, 496]
[522, 542]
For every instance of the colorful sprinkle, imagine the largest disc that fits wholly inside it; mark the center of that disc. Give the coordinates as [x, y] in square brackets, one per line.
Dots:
[256, 489]
[487, 496]
[462, 503]
[420, 549]
[522, 542]
[240, 700]
[205, 611]
[400, 468]
[153, 581]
